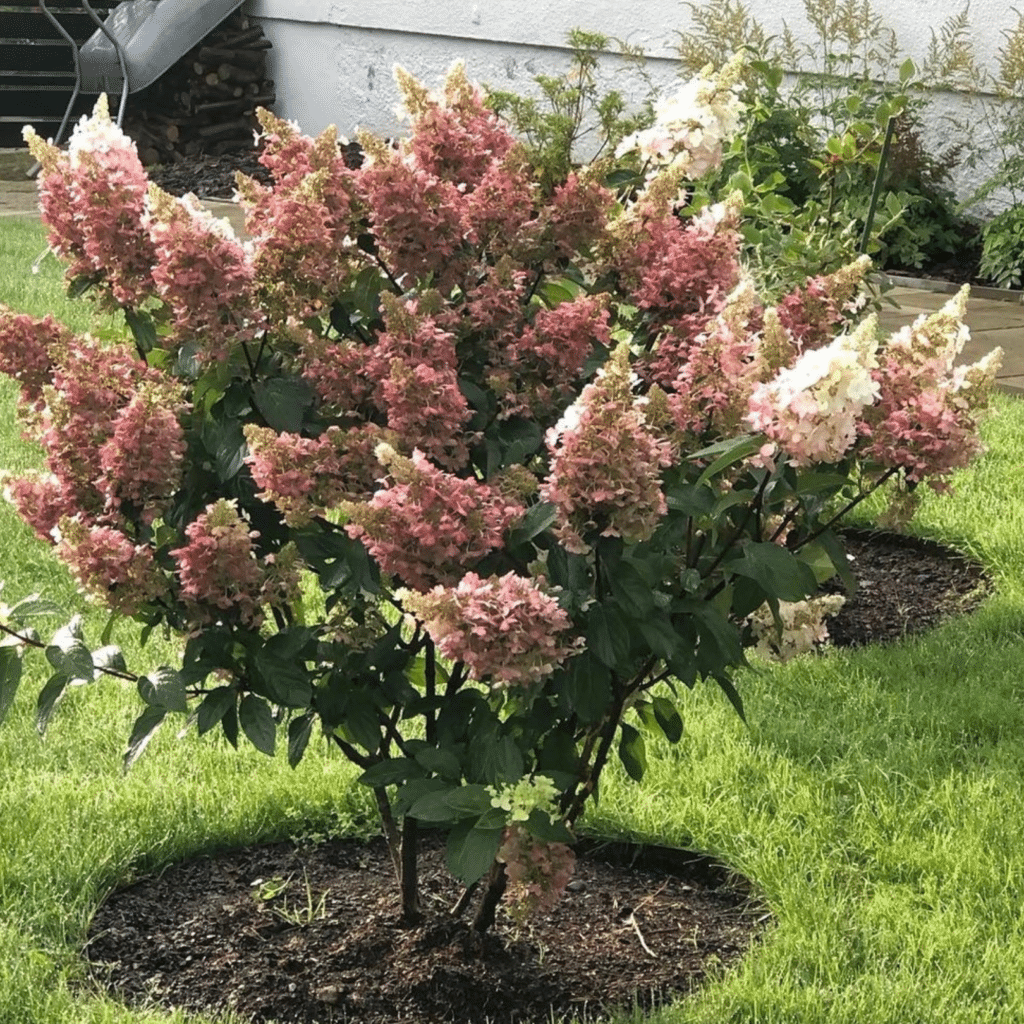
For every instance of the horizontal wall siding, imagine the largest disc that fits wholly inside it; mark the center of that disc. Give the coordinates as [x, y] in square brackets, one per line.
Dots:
[333, 60]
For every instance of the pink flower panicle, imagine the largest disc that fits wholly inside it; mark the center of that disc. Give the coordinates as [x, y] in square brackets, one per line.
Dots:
[560, 340]
[39, 499]
[926, 419]
[217, 567]
[27, 347]
[109, 567]
[110, 429]
[537, 871]
[508, 630]
[455, 137]
[418, 222]
[578, 215]
[142, 460]
[544, 362]
[203, 274]
[605, 462]
[300, 228]
[301, 476]
[415, 366]
[814, 313]
[426, 526]
[709, 396]
[93, 200]
[681, 275]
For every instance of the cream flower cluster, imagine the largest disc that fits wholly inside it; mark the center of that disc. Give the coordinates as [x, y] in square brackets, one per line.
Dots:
[803, 626]
[692, 125]
[811, 408]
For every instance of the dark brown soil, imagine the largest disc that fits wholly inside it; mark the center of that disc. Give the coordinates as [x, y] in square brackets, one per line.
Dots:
[904, 585]
[207, 935]
[642, 925]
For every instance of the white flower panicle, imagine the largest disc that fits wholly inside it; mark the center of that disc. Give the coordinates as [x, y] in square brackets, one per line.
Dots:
[810, 408]
[692, 125]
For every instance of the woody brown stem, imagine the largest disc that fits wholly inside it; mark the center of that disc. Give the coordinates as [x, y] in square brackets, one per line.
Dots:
[487, 909]
[410, 876]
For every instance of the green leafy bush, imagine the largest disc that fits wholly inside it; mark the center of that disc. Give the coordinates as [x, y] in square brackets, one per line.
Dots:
[1002, 257]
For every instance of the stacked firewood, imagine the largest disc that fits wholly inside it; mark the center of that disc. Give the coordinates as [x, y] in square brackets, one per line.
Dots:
[205, 104]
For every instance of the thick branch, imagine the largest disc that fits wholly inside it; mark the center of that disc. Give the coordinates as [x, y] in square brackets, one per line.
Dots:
[887, 475]
[409, 878]
[488, 907]
[748, 512]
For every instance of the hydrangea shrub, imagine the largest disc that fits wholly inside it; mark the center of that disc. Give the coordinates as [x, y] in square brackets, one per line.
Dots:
[542, 456]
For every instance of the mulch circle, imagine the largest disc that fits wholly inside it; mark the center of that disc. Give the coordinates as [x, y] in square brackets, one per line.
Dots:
[905, 585]
[311, 935]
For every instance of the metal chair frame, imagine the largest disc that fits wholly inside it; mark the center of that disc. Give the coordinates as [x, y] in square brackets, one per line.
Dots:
[125, 87]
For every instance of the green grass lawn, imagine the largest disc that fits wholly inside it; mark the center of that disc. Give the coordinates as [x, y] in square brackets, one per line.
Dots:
[876, 798]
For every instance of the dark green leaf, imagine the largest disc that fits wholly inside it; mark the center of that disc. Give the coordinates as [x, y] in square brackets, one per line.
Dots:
[588, 688]
[732, 693]
[725, 453]
[537, 520]
[554, 293]
[413, 791]
[257, 722]
[68, 654]
[283, 677]
[504, 762]
[519, 438]
[142, 328]
[632, 752]
[390, 772]
[229, 723]
[631, 590]
[817, 557]
[108, 629]
[299, 730]
[477, 397]
[32, 607]
[469, 800]
[142, 732]
[720, 646]
[668, 718]
[226, 444]
[815, 482]
[214, 706]
[48, 698]
[435, 806]
[471, 851]
[660, 635]
[165, 689]
[539, 824]
[777, 571]
[608, 636]
[558, 756]
[283, 402]
[834, 546]
[440, 762]
[361, 722]
[81, 284]
[691, 500]
[366, 291]
[10, 677]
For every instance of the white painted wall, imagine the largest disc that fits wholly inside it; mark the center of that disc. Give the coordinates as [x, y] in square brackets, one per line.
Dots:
[333, 59]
